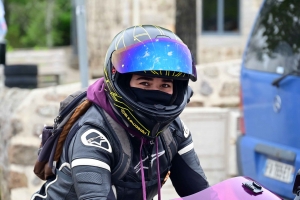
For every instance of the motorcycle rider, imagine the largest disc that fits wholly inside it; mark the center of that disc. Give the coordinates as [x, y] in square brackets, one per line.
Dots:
[145, 88]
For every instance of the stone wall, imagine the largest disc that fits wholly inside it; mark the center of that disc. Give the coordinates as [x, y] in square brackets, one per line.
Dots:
[23, 115]
[226, 46]
[106, 18]
[10, 100]
[218, 84]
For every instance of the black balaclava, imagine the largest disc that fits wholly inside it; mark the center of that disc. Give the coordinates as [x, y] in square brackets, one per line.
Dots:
[151, 97]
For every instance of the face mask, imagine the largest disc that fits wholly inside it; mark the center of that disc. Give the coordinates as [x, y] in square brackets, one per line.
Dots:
[151, 97]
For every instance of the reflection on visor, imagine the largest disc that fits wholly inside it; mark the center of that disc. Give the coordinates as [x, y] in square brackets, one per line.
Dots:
[155, 55]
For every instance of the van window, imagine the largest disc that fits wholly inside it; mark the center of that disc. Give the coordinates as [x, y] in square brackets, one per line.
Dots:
[274, 45]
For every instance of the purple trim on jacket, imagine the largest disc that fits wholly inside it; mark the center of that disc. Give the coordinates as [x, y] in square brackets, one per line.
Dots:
[97, 95]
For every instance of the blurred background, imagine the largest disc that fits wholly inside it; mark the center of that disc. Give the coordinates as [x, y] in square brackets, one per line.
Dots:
[214, 30]
[61, 46]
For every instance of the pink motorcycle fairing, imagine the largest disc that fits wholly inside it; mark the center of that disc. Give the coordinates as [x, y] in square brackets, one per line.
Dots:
[237, 188]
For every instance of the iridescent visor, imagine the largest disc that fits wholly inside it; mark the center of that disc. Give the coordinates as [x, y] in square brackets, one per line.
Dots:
[159, 54]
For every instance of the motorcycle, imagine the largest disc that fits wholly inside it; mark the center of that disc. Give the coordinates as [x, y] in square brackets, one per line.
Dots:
[237, 188]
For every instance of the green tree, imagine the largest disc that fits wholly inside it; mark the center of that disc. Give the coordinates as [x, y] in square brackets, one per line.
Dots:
[28, 23]
[280, 23]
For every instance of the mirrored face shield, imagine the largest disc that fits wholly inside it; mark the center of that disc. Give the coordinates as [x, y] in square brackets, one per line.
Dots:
[162, 56]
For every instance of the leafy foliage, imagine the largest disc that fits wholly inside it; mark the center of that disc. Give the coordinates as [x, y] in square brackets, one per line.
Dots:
[281, 25]
[27, 23]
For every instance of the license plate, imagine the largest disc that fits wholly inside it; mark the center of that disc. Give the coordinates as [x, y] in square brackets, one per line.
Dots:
[279, 171]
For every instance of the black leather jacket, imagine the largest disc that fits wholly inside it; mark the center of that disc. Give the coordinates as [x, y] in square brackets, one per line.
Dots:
[94, 154]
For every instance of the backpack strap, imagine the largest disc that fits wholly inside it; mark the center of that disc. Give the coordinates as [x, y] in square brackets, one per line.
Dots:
[170, 144]
[125, 158]
[79, 111]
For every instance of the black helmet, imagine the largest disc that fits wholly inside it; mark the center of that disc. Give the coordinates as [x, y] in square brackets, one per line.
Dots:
[152, 51]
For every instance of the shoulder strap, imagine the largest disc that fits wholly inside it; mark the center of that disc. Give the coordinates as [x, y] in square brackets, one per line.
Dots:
[68, 130]
[170, 144]
[125, 159]
[68, 106]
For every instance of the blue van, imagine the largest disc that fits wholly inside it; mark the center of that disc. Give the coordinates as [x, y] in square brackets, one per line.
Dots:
[268, 150]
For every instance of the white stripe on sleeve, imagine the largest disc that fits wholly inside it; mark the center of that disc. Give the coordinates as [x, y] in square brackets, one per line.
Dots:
[90, 162]
[186, 149]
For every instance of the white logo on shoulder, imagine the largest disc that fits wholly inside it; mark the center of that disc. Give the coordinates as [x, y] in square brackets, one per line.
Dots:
[186, 131]
[95, 138]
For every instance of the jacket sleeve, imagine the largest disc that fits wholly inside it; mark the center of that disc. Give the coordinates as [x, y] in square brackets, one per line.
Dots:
[187, 175]
[91, 156]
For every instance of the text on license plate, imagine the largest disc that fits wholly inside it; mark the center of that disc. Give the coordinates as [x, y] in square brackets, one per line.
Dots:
[279, 171]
